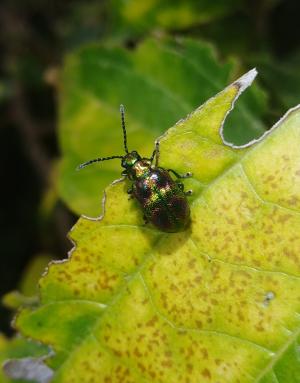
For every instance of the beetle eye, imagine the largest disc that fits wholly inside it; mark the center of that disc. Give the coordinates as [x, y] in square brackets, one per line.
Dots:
[136, 154]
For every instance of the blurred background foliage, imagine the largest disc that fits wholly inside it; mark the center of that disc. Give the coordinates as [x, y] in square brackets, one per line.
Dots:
[65, 68]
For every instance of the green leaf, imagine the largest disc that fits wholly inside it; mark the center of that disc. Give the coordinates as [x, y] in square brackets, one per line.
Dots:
[33, 272]
[281, 77]
[27, 292]
[133, 17]
[159, 82]
[18, 348]
[218, 302]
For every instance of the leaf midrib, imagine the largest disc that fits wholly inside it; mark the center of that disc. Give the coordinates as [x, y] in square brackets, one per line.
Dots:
[269, 367]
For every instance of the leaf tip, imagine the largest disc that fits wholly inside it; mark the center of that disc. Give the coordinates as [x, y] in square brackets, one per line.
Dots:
[241, 84]
[246, 80]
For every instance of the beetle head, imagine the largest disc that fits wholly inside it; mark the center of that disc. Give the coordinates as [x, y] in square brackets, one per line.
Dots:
[130, 159]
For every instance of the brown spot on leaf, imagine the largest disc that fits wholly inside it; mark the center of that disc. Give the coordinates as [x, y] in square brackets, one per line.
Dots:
[137, 352]
[189, 367]
[204, 353]
[206, 373]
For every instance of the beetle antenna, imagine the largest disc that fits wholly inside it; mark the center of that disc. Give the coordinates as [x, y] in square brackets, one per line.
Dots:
[122, 111]
[96, 160]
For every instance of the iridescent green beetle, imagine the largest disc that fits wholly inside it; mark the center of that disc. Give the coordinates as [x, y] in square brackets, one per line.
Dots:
[162, 199]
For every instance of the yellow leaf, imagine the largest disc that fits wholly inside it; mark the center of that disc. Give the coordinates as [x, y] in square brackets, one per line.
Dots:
[218, 302]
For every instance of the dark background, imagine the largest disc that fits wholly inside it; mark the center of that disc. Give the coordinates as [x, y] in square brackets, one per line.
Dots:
[33, 40]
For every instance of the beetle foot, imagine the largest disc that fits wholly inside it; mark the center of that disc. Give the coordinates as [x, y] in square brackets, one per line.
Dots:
[188, 192]
[130, 195]
[180, 176]
[187, 175]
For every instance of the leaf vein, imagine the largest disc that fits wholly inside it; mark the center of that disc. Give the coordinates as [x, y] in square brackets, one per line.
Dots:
[197, 330]
[261, 199]
[277, 355]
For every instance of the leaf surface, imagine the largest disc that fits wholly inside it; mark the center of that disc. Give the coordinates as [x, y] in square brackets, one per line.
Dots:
[27, 289]
[218, 302]
[281, 77]
[159, 82]
[134, 17]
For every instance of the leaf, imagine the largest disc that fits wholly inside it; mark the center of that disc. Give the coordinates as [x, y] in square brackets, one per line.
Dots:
[27, 293]
[216, 303]
[33, 272]
[17, 347]
[134, 17]
[159, 82]
[281, 77]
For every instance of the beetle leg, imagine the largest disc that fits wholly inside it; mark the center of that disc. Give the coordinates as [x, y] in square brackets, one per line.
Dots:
[129, 192]
[180, 176]
[181, 187]
[152, 156]
[124, 173]
[145, 219]
[155, 154]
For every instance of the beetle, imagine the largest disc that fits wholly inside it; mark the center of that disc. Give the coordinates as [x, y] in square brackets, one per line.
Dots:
[162, 199]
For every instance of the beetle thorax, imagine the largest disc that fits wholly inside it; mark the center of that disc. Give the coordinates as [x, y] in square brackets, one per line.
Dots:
[139, 169]
[135, 166]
